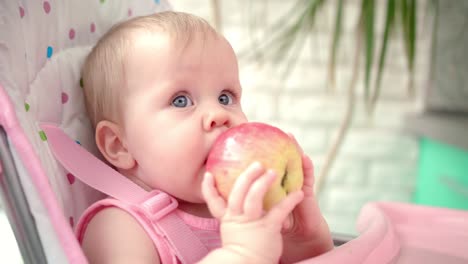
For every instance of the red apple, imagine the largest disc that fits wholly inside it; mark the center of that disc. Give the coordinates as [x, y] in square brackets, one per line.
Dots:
[235, 149]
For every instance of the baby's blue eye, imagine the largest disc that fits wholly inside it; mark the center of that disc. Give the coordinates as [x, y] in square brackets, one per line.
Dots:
[225, 99]
[182, 101]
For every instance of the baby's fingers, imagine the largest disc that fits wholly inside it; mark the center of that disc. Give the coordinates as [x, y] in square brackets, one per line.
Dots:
[309, 178]
[215, 202]
[253, 205]
[279, 213]
[241, 187]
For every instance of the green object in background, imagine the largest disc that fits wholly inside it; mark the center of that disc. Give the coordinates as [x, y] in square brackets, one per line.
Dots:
[443, 175]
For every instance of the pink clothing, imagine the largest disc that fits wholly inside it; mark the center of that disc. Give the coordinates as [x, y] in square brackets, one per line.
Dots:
[171, 231]
[206, 229]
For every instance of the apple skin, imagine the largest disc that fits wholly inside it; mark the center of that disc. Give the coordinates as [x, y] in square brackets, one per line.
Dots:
[236, 148]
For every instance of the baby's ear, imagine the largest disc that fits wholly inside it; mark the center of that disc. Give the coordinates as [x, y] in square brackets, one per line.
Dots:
[110, 143]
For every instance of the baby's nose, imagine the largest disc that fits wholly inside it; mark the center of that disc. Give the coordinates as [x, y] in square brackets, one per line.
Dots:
[216, 118]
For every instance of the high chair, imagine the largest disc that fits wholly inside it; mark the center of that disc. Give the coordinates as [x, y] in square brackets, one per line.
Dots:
[42, 47]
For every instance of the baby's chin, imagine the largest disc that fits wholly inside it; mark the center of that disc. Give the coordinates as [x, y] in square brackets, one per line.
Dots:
[190, 200]
[194, 205]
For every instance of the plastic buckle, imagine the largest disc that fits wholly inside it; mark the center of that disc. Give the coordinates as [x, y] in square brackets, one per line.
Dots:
[158, 205]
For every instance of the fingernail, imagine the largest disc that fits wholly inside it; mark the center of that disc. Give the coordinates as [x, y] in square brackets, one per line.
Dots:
[256, 164]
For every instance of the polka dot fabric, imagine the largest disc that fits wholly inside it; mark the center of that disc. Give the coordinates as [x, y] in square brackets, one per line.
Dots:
[44, 43]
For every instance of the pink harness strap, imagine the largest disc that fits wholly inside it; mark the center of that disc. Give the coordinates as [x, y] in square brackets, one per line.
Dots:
[156, 206]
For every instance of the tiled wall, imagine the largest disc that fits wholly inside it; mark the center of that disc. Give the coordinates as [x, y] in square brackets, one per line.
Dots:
[378, 159]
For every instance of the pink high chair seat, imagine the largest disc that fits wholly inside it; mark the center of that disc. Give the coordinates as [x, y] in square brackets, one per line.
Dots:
[404, 234]
[42, 47]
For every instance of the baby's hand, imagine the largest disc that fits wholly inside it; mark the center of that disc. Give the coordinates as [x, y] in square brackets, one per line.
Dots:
[307, 234]
[246, 230]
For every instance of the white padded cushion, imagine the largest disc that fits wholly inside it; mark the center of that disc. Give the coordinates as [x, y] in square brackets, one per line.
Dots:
[55, 96]
[42, 47]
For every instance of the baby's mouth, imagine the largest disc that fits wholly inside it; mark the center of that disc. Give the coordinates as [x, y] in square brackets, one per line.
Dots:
[203, 167]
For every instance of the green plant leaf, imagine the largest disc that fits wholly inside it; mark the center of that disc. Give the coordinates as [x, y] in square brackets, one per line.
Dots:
[408, 17]
[304, 24]
[335, 44]
[288, 37]
[412, 44]
[367, 16]
[294, 51]
[389, 24]
[434, 9]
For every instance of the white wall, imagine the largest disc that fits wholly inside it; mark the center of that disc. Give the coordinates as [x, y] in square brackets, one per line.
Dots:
[378, 160]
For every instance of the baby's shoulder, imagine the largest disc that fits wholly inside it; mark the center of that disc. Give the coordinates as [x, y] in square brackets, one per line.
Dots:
[106, 219]
[114, 236]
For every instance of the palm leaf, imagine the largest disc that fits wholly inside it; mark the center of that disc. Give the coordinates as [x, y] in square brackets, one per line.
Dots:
[389, 24]
[255, 21]
[276, 31]
[412, 44]
[335, 43]
[367, 14]
[289, 33]
[408, 17]
[288, 37]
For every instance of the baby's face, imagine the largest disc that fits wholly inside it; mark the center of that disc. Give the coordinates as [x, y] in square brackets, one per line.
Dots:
[179, 100]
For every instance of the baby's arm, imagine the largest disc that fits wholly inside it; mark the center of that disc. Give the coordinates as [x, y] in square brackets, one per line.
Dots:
[113, 236]
[308, 234]
[249, 235]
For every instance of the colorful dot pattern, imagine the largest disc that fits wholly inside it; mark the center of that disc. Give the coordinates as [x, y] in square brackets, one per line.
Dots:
[43, 135]
[71, 34]
[46, 6]
[21, 11]
[50, 51]
[64, 97]
[70, 178]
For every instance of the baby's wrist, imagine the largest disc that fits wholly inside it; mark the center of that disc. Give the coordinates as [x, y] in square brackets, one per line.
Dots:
[228, 255]
[243, 255]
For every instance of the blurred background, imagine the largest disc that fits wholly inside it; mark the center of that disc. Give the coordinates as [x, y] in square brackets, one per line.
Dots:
[374, 91]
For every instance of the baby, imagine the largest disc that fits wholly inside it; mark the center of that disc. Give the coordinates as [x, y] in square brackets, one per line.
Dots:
[159, 90]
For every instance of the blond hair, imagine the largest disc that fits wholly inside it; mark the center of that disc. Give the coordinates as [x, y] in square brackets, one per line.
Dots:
[103, 72]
